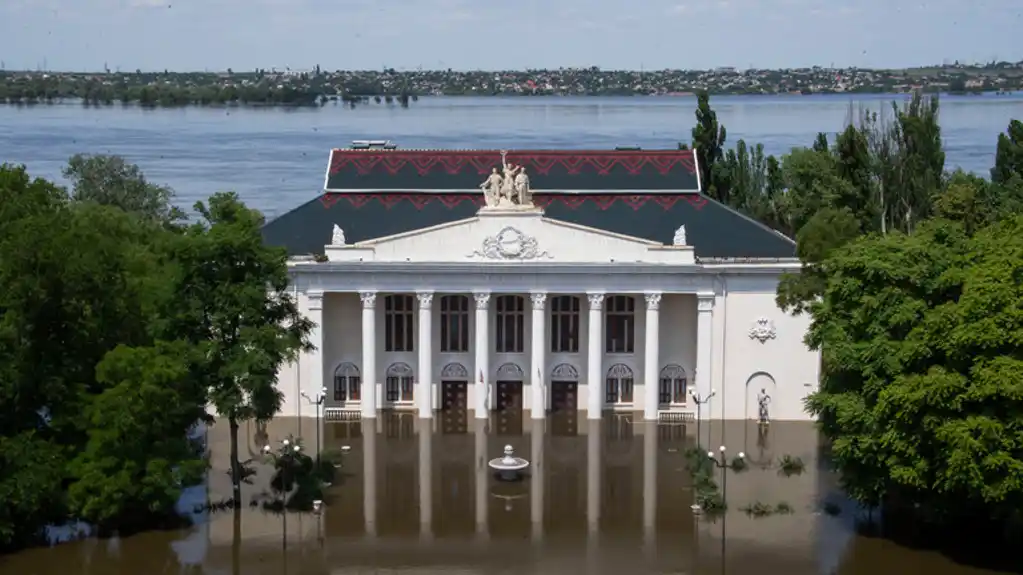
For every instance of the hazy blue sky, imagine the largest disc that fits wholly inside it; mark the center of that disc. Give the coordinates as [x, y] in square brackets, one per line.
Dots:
[491, 34]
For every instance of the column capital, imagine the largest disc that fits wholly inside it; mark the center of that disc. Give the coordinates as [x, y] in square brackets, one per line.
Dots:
[315, 299]
[705, 302]
[369, 299]
[653, 301]
[482, 299]
[539, 299]
[425, 299]
[596, 300]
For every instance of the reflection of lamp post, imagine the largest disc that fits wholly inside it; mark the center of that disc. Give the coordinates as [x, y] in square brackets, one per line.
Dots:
[721, 462]
[322, 395]
[699, 400]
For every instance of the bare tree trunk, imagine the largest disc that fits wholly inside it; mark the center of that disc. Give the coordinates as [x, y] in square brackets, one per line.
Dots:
[236, 466]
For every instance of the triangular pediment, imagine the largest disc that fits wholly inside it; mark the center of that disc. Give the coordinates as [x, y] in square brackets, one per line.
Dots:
[511, 236]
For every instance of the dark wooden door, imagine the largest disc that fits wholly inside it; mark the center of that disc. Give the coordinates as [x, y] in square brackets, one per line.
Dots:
[509, 408]
[454, 404]
[564, 408]
[509, 395]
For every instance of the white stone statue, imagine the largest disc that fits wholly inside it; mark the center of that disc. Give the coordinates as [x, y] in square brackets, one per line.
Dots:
[680, 236]
[492, 188]
[337, 238]
[522, 191]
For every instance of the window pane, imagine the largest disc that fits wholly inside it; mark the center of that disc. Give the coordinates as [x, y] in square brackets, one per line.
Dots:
[354, 388]
[463, 332]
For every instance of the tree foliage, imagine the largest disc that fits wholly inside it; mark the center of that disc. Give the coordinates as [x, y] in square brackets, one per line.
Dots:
[118, 326]
[912, 280]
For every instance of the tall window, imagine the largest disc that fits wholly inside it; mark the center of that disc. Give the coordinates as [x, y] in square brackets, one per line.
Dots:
[620, 325]
[511, 323]
[346, 382]
[673, 385]
[399, 330]
[400, 384]
[565, 324]
[454, 323]
[619, 385]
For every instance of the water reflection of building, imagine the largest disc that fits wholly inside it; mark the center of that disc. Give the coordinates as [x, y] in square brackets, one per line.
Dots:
[614, 477]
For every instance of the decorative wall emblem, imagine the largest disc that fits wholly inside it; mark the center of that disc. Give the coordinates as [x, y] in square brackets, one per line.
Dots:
[763, 330]
[510, 244]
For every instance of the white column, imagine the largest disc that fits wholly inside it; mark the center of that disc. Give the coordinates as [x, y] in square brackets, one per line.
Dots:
[369, 477]
[424, 394]
[369, 354]
[426, 481]
[704, 333]
[595, 355]
[651, 361]
[539, 367]
[314, 378]
[482, 375]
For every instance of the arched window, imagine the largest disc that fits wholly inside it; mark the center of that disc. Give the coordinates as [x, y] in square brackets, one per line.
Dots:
[564, 372]
[346, 382]
[455, 372]
[620, 325]
[511, 323]
[565, 311]
[399, 331]
[454, 324]
[399, 385]
[673, 385]
[619, 385]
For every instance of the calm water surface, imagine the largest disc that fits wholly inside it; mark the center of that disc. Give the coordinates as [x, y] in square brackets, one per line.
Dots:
[276, 159]
[602, 497]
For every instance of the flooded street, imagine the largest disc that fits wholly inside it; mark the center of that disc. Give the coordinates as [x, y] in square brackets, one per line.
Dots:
[608, 496]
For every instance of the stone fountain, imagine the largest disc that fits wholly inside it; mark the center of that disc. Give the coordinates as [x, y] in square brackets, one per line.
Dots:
[509, 467]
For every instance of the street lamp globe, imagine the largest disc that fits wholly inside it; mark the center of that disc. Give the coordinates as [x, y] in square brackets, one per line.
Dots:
[286, 443]
[266, 449]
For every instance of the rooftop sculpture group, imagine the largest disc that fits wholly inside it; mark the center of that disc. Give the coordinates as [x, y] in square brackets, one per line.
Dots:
[508, 188]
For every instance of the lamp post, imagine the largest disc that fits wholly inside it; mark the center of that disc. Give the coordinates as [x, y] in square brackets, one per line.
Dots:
[700, 400]
[286, 454]
[318, 401]
[720, 460]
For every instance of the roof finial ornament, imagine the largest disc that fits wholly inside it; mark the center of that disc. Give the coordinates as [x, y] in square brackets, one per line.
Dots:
[680, 236]
[337, 237]
[507, 187]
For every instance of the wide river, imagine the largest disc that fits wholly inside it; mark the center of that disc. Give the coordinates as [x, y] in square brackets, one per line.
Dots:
[277, 159]
[415, 497]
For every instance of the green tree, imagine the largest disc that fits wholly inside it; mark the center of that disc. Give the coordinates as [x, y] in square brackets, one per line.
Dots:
[1009, 154]
[111, 181]
[138, 457]
[235, 307]
[708, 142]
[922, 385]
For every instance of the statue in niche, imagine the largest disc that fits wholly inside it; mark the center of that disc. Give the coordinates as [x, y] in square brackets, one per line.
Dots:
[492, 188]
[763, 400]
[680, 236]
[337, 238]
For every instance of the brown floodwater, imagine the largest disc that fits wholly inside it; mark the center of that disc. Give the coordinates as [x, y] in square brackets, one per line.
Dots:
[416, 496]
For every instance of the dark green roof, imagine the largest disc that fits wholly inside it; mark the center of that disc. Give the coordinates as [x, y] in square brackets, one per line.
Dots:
[464, 170]
[713, 229]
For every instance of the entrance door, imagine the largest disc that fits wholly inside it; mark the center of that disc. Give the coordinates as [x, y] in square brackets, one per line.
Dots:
[454, 403]
[564, 408]
[509, 407]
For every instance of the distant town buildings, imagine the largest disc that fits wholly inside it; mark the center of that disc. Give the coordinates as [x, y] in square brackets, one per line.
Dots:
[316, 86]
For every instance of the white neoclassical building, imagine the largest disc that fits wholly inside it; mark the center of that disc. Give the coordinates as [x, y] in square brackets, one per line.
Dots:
[600, 281]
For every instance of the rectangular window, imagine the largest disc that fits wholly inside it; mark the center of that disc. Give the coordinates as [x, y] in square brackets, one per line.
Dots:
[399, 326]
[399, 388]
[510, 324]
[620, 325]
[565, 312]
[346, 388]
[454, 324]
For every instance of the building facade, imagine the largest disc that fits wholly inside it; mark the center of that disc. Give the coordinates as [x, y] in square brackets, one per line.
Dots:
[587, 282]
